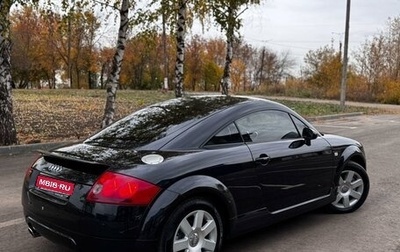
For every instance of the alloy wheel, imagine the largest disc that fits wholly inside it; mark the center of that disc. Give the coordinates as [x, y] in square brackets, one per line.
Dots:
[196, 232]
[349, 191]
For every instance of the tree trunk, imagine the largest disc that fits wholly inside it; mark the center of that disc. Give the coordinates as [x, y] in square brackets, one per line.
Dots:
[8, 133]
[53, 79]
[113, 78]
[180, 48]
[78, 76]
[90, 86]
[226, 77]
[69, 52]
[103, 71]
[165, 52]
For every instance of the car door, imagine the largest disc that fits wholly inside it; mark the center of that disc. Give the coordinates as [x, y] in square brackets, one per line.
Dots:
[237, 171]
[290, 172]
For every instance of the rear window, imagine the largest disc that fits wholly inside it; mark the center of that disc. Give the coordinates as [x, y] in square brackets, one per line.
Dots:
[158, 121]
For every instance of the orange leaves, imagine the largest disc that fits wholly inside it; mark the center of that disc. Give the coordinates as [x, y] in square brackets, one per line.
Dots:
[391, 92]
[46, 42]
[323, 72]
[238, 75]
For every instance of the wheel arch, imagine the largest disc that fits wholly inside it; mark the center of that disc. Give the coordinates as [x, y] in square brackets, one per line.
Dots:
[198, 186]
[359, 160]
[352, 153]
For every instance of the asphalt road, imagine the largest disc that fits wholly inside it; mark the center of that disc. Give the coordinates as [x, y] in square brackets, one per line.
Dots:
[374, 227]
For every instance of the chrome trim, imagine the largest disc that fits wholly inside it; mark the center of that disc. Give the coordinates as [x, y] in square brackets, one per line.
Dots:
[33, 232]
[55, 168]
[301, 204]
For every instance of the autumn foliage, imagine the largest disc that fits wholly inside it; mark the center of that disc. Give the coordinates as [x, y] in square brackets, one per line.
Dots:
[47, 45]
[41, 59]
[373, 76]
[51, 50]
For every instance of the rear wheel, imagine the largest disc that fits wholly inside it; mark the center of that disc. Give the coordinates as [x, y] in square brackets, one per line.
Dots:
[352, 189]
[195, 226]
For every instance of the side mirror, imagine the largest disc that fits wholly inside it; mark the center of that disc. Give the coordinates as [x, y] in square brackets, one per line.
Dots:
[308, 135]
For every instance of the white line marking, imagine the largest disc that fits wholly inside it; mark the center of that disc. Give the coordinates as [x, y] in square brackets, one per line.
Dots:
[336, 126]
[11, 222]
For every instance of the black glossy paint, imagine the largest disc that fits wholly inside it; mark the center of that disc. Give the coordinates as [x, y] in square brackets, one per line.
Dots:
[295, 175]
[252, 184]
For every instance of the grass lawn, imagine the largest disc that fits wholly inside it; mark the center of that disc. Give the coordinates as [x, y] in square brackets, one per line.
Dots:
[60, 115]
[312, 109]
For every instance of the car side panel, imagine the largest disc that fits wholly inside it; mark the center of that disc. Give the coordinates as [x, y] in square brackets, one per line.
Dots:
[197, 186]
[292, 176]
[233, 166]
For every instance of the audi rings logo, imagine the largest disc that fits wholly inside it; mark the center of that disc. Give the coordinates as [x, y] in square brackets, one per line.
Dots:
[55, 168]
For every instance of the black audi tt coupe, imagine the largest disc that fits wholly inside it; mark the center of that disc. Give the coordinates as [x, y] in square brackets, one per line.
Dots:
[189, 173]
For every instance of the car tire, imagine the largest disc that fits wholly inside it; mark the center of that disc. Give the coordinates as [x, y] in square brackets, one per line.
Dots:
[352, 187]
[195, 225]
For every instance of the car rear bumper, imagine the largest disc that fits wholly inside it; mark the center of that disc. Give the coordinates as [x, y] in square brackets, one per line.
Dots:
[89, 227]
[78, 241]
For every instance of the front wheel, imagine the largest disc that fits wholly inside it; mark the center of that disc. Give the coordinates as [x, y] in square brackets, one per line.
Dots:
[195, 226]
[352, 189]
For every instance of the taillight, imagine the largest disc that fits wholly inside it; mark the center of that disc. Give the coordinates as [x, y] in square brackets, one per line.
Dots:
[29, 171]
[115, 188]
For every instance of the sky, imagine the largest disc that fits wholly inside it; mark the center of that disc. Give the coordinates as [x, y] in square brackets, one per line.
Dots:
[299, 26]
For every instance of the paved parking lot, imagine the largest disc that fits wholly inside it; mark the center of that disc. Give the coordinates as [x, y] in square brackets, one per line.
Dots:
[374, 227]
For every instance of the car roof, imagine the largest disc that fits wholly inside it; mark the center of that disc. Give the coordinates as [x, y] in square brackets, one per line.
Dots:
[227, 109]
[221, 102]
[160, 124]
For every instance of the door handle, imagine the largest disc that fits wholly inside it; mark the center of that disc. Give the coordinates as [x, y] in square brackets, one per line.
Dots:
[263, 159]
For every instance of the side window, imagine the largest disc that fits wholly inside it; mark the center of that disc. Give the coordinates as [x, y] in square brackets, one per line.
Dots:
[267, 126]
[227, 135]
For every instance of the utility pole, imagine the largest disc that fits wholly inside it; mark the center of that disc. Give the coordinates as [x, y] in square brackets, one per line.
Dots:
[345, 58]
[261, 80]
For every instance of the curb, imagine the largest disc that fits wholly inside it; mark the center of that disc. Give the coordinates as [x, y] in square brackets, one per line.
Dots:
[29, 148]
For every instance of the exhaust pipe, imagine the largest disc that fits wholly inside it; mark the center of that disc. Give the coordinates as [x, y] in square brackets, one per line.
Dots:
[33, 232]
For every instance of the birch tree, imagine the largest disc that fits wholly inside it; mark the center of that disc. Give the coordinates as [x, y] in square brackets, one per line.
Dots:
[174, 14]
[179, 15]
[8, 133]
[113, 78]
[112, 81]
[180, 47]
[227, 14]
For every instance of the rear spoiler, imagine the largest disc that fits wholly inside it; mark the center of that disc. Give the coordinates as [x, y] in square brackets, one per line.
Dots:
[74, 163]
